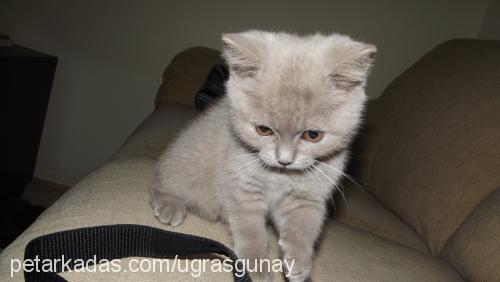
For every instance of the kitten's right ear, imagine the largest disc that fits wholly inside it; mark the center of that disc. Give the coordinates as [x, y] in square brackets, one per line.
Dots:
[241, 54]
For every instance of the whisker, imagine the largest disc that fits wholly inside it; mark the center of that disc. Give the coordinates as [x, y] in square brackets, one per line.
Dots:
[255, 165]
[310, 171]
[334, 184]
[248, 164]
[244, 155]
[349, 177]
[330, 194]
[315, 174]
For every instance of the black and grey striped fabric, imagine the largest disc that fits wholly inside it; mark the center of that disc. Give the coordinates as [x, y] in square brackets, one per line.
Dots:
[213, 88]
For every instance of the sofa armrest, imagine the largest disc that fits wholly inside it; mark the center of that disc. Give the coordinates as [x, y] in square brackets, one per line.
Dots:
[156, 131]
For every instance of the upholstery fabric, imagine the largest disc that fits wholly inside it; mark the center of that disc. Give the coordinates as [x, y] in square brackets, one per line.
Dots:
[434, 138]
[363, 211]
[117, 193]
[185, 74]
[350, 254]
[475, 248]
[160, 128]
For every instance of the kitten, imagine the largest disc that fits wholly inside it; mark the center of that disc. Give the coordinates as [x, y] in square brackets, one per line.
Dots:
[273, 148]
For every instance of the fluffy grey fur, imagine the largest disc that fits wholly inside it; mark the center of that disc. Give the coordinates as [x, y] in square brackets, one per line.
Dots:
[221, 168]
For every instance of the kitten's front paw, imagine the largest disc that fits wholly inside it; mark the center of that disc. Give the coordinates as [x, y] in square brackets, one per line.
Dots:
[299, 271]
[169, 210]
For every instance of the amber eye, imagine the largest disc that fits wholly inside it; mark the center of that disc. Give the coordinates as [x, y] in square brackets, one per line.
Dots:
[263, 130]
[312, 135]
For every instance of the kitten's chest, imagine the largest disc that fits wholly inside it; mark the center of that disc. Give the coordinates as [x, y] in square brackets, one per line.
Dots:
[275, 187]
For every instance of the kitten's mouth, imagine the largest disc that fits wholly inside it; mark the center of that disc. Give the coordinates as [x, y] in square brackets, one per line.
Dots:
[291, 167]
[285, 169]
[277, 166]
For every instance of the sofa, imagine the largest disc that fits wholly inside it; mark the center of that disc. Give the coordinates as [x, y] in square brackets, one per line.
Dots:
[427, 206]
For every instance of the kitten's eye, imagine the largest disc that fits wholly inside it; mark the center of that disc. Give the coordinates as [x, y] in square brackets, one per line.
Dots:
[263, 130]
[312, 135]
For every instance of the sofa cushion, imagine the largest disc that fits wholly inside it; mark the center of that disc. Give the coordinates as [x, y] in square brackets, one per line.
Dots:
[365, 212]
[350, 254]
[117, 194]
[474, 249]
[433, 138]
[185, 75]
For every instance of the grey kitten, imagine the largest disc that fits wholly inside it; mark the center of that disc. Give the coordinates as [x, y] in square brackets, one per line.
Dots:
[274, 148]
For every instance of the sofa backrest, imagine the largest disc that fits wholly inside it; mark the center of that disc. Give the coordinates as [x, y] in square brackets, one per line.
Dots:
[185, 75]
[432, 151]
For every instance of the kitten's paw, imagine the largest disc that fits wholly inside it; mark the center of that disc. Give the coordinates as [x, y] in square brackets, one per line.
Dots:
[169, 210]
[300, 269]
[300, 277]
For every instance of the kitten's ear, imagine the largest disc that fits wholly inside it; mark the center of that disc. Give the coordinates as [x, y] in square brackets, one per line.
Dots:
[353, 71]
[241, 54]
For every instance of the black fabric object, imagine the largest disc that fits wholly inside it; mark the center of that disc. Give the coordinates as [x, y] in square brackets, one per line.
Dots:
[119, 241]
[213, 88]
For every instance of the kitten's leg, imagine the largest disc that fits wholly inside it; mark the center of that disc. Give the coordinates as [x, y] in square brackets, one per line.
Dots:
[299, 223]
[167, 208]
[247, 222]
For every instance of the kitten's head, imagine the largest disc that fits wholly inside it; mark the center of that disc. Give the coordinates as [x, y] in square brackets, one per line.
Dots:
[295, 99]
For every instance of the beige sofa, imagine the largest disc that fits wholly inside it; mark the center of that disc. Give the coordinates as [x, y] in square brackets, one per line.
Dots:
[429, 157]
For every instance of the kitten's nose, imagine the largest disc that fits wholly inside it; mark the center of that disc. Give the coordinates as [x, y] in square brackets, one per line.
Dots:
[285, 151]
[284, 163]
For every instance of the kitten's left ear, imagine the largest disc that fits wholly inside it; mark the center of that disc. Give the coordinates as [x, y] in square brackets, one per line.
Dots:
[353, 71]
